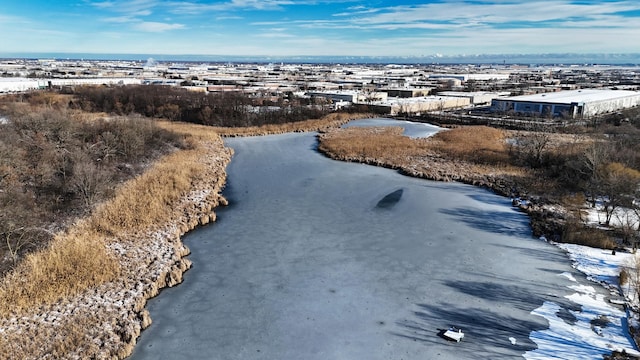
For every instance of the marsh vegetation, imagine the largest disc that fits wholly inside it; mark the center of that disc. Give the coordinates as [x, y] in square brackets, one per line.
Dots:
[567, 169]
[92, 205]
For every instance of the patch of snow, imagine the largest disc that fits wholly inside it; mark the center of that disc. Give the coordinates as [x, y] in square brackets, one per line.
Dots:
[599, 327]
[569, 276]
[579, 340]
[621, 217]
[513, 340]
[599, 265]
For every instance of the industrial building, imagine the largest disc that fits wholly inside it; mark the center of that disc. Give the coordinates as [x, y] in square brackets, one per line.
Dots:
[352, 96]
[419, 105]
[474, 77]
[583, 103]
[477, 97]
[407, 92]
[9, 85]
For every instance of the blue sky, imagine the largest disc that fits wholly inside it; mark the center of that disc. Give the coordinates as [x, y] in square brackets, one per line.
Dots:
[320, 27]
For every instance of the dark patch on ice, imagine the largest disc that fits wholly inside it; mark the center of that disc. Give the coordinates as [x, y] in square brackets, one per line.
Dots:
[390, 200]
[566, 316]
[601, 321]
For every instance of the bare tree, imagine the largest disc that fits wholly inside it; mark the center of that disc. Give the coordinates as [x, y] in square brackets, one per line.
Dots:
[628, 227]
[532, 146]
[595, 158]
[19, 239]
[618, 187]
[89, 181]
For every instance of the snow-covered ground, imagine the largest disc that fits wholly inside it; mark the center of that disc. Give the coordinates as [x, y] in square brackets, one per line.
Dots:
[600, 326]
[621, 217]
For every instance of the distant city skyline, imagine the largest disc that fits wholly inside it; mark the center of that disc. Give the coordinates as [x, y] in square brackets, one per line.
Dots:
[282, 28]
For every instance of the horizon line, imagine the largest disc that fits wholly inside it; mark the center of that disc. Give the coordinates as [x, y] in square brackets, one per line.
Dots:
[490, 58]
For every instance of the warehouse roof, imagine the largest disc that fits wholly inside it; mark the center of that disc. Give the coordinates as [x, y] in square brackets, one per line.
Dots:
[575, 96]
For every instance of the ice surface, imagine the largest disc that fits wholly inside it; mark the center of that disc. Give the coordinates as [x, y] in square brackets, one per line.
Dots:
[411, 129]
[306, 264]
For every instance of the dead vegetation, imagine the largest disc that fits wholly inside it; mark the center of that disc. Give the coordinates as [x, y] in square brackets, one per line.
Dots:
[84, 294]
[482, 145]
[329, 121]
[56, 164]
[81, 292]
[543, 168]
[446, 156]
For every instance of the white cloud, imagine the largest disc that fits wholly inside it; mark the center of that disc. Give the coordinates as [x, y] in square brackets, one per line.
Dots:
[229, 17]
[120, 19]
[10, 19]
[152, 26]
[357, 28]
[453, 17]
[103, 4]
[275, 35]
[133, 7]
[494, 13]
[184, 7]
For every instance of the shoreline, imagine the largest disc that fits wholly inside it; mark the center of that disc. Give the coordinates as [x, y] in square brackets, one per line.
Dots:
[115, 313]
[543, 217]
[546, 219]
[105, 321]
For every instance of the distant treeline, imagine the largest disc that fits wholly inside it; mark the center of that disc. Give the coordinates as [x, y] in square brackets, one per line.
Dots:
[229, 109]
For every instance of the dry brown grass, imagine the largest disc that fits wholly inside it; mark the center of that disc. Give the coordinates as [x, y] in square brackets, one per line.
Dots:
[330, 121]
[478, 144]
[436, 158]
[149, 198]
[78, 259]
[192, 132]
[72, 338]
[475, 145]
[72, 262]
[371, 142]
[577, 233]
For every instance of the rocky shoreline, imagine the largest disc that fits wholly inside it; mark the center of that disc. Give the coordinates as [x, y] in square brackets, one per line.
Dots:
[105, 322]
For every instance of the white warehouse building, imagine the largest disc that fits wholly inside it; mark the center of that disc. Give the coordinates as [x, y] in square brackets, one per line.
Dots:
[24, 84]
[353, 96]
[573, 104]
[419, 105]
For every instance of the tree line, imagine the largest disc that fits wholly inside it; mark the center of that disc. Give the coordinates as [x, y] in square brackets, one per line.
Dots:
[600, 166]
[228, 109]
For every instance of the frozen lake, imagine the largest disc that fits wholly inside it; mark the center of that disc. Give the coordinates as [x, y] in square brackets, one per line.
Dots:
[320, 259]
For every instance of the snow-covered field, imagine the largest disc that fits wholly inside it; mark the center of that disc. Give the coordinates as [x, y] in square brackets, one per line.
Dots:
[600, 326]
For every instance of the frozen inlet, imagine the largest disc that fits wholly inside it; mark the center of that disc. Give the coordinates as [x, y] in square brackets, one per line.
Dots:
[454, 334]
